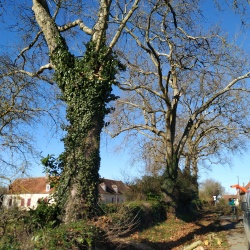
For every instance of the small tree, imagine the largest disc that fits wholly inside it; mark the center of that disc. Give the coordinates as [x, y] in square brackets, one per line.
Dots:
[210, 188]
[146, 188]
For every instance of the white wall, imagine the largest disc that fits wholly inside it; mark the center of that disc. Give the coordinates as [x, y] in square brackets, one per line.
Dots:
[112, 198]
[17, 200]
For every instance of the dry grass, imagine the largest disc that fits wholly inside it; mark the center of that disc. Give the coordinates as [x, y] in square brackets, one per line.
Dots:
[175, 234]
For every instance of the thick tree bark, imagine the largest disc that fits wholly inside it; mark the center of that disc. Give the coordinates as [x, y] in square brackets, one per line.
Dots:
[46, 23]
[86, 85]
[77, 194]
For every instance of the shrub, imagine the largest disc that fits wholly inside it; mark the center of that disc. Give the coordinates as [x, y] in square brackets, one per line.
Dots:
[14, 230]
[149, 212]
[121, 219]
[44, 215]
[77, 235]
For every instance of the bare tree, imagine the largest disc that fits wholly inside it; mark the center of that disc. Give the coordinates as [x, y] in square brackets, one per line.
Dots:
[210, 188]
[183, 79]
[24, 104]
[221, 132]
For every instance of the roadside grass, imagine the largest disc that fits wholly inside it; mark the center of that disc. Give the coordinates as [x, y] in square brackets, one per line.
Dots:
[24, 231]
[176, 234]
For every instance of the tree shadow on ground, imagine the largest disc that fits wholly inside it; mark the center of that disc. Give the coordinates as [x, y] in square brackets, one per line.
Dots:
[214, 227]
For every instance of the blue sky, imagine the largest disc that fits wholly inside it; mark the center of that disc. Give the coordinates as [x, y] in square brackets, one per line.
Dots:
[113, 165]
[117, 165]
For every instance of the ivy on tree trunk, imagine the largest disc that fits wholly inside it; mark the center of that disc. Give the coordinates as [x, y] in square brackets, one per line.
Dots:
[86, 85]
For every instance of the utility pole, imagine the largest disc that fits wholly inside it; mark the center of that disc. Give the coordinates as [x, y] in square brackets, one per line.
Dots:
[238, 190]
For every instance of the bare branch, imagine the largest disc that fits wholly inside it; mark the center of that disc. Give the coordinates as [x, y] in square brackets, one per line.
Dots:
[123, 24]
[78, 22]
[29, 46]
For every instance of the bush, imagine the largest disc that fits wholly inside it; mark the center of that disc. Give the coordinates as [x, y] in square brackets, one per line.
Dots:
[147, 188]
[121, 219]
[14, 230]
[25, 230]
[9, 242]
[149, 212]
[44, 215]
[77, 235]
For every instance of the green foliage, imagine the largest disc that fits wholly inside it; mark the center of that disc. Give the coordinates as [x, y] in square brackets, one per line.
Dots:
[149, 212]
[53, 167]
[148, 188]
[78, 235]
[186, 192]
[13, 229]
[26, 230]
[86, 86]
[9, 242]
[108, 208]
[196, 204]
[45, 215]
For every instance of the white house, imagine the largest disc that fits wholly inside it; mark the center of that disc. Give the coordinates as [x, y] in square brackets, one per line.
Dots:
[25, 193]
[112, 191]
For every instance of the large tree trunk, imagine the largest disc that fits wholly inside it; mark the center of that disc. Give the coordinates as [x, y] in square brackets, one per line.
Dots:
[86, 88]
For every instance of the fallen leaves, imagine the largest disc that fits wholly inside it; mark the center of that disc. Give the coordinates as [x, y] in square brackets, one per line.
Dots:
[177, 234]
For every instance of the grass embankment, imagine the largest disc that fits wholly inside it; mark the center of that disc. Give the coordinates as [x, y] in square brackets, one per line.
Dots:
[177, 233]
[155, 230]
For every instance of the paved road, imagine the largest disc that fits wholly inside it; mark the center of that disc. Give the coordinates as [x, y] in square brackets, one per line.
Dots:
[236, 237]
[237, 241]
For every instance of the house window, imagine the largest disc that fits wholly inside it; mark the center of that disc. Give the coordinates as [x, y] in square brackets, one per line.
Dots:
[47, 187]
[22, 202]
[117, 199]
[28, 202]
[10, 202]
[112, 199]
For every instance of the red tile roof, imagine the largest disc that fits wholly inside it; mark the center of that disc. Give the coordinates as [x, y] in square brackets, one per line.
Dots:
[110, 184]
[29, 186]
[38, 186]
[227, 196]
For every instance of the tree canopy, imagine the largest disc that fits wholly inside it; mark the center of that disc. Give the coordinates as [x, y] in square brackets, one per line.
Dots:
[183, 92]
[185, 89]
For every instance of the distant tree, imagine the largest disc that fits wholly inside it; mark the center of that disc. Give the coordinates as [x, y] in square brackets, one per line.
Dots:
[184, 93]
[25, 103]
[3, 190]
[210, 188]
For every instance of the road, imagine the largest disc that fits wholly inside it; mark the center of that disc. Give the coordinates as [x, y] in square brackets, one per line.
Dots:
[236, 236]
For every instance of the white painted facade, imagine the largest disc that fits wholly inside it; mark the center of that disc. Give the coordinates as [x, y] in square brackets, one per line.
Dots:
[22, 201]
[112, 198]
[26, 192]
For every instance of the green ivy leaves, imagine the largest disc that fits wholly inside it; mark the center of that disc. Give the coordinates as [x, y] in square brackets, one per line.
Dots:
[86, 85]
